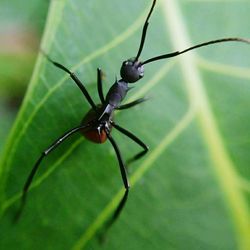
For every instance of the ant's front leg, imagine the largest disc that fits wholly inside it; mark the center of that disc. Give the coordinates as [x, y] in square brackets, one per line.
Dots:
[100, 85]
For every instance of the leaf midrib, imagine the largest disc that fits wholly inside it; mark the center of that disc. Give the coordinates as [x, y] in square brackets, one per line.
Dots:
[223, 165]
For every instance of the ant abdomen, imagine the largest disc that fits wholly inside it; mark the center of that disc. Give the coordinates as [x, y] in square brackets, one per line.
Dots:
[96, 132]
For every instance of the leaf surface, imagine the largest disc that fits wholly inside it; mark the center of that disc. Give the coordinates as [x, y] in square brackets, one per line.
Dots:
[191, 191]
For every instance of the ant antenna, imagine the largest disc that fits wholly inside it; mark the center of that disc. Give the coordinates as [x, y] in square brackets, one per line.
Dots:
[177, 53]
[144, 31]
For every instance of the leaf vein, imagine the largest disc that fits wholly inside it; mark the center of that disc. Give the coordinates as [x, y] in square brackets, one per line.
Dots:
[223, 68]
[224, 168]
[142, 169]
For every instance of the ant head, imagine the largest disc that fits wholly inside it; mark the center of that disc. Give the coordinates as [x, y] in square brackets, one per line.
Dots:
[131, 70]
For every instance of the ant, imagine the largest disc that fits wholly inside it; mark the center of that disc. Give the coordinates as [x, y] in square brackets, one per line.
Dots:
[97, 124]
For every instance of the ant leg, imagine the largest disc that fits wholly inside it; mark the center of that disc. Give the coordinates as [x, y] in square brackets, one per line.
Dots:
[122, 203]
[132, 104]
[136, 140]
[75, 79]
[99, 85]
[120, 160]
[35, 167]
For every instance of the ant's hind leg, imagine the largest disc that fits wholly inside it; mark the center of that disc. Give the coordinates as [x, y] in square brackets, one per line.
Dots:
[122, 202]
[136, 140]
[37, 164]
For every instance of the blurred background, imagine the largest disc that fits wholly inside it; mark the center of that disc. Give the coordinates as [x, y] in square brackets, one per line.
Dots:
[21, 27]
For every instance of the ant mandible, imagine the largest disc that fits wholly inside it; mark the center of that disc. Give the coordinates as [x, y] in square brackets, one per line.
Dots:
[97, 124]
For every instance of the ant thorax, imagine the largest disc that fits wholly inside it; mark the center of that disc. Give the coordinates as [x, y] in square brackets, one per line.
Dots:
[117, 93]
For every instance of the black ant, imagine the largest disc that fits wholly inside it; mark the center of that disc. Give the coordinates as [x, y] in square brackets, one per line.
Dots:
[97, 124]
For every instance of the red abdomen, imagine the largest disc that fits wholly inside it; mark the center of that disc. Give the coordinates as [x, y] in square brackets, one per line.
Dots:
[96, 133]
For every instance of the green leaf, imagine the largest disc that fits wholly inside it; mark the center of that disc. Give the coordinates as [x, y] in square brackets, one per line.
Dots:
[191, 191]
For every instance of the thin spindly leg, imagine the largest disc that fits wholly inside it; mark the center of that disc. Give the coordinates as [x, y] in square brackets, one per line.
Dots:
[37, 164]
[135, 139]
[122, 202]
[99, 85]
[132, 104]
[75, 79]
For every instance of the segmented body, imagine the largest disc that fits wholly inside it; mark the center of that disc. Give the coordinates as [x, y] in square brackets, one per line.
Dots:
[100, 119]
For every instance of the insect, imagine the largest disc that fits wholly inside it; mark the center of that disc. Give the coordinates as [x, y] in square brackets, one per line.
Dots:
[97, 124]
